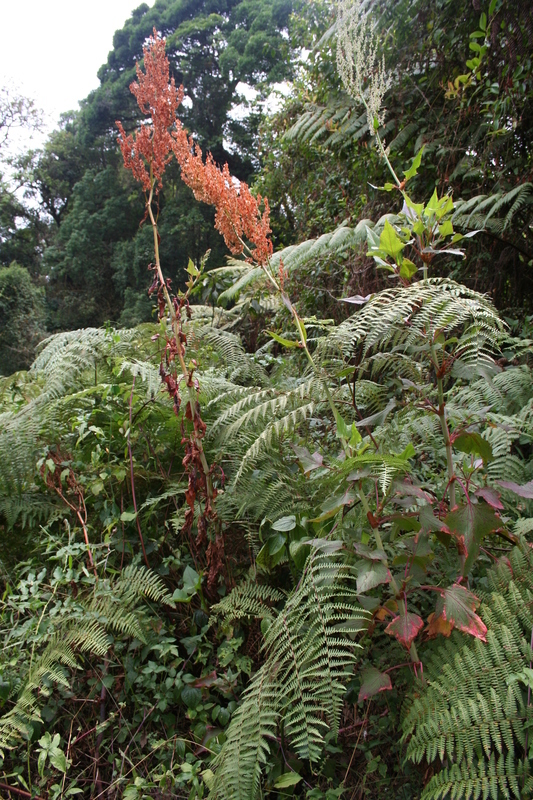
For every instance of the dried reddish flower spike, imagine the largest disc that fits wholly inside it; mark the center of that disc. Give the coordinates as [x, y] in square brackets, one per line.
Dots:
[156, 96]
[238, 216]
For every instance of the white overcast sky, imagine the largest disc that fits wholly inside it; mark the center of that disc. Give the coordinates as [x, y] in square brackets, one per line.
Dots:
[52, 49]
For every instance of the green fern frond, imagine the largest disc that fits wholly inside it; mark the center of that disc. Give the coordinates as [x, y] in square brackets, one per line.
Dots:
[471, 714]
[114, 605]
[309, 652]
[273, 431]
[248, 599]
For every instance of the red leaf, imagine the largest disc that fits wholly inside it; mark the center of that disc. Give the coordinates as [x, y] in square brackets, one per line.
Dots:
[405, 628]
[490, 496]
[524, 490]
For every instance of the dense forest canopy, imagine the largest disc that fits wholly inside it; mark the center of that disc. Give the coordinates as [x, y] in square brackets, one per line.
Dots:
[266, 410]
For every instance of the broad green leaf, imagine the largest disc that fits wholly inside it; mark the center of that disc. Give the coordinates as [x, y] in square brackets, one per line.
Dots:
[355, 436]
[445, 206]
[446, 229]
[373, 682]
[471, 442]
[276, 543]
[58, 759]
[192, 269]
[389, 241]
[413, 169]
[432, 206]
[418, 208]
[525, 677]
[191, 697]
[407, 269]
[284, 523]
[128, 516]
[371, 574]
[471, 523]
[181, 596]
[287, 779]
[343, 430]
[334, 505]
[192, 582]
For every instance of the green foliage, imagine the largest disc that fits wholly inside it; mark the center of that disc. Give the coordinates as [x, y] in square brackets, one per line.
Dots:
[472, 712]
[21, 318]
[367, 460]
[309, 652]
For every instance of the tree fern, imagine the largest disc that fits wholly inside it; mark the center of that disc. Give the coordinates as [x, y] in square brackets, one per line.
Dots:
[484, 211]
[309, 652]
[471, 714]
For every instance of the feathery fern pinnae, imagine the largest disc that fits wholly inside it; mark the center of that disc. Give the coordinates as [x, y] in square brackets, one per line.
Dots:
[473, 712]
[114, 605]
[309, 653]
[407, 317]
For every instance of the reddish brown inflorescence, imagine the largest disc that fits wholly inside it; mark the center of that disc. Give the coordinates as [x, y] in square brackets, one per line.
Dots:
[238, 213]
[157, 97]
[238, 217]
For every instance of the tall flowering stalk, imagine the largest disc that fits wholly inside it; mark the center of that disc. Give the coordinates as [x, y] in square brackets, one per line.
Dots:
[146, 153]
[362, 72]
[241, 218]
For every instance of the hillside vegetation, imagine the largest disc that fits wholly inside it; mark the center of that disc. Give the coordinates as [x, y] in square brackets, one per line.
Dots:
[266, 412]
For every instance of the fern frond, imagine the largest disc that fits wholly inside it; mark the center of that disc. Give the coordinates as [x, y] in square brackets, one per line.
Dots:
[248, 599]
[470, 714]
[309, 652]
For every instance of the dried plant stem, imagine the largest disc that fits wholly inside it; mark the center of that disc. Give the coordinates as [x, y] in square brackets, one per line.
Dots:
[176, 331]
[132, 479]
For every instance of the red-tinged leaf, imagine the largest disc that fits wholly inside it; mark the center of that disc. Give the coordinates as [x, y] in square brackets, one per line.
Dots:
[207, 681]
[406, 488]
[429, 522]
[307, 461]
[457, 606]
[367, 552]
[334, 505]
[490, 496]
[470, 524]
[405, 628]
[373, 682]
[524, 490]
[470, 442]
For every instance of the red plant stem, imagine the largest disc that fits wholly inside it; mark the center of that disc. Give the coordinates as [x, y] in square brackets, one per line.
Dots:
[20, 792]
[82, 523]
[175, 327]
[132, 478]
